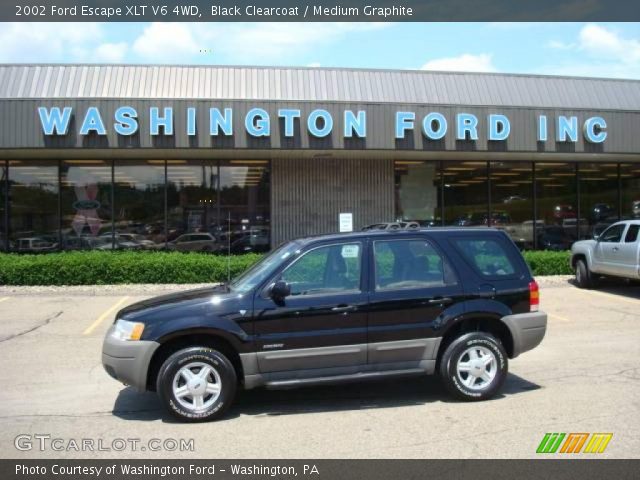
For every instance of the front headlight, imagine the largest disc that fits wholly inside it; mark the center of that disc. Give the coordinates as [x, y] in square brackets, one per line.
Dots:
[124, 330]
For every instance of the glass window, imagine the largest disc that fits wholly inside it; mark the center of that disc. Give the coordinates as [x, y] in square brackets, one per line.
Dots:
[3, 228]
[330, 269]
[465, 194]
[512, 201]
[632, 234]
[403, 264]
[33, 198]
[598, 197]
[139, 203]
[487, 256]
[556, 187]
[86, 192]
[613, 234]
[244, 205]
[192, 199]
[630, 190]
[418, 192]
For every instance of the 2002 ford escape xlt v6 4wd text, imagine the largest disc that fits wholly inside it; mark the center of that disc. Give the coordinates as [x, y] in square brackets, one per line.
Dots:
[337, 308]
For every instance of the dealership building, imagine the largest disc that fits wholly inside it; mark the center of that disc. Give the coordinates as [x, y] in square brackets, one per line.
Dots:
[194, 157]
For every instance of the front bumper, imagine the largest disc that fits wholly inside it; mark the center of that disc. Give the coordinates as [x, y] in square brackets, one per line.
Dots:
[128, 361]
[527, 330]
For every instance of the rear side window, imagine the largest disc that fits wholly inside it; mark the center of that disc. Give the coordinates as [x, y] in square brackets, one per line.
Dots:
[488, 256]
[401, 264]
[632, 234]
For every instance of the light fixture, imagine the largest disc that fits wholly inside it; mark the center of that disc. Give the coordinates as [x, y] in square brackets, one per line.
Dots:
[84, 162]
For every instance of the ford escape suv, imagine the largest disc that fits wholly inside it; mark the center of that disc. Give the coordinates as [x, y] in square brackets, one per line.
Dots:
[336, 308]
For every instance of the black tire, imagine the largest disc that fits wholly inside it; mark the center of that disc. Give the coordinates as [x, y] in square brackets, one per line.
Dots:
[457, 351]
[584, 278]
[197, 356]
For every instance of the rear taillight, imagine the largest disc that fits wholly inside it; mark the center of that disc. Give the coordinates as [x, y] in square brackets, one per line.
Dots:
[534, 296]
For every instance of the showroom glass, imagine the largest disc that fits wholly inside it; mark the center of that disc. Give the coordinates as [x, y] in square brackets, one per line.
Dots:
[418, 192]
[33, 192]
[512, 200]
[139, 203]
[325, 270]
[3, 185]
[465, 194]
[192, 200]
[598, 197]
[86, 197]
[244, 204]
[557, 206]
[630, 190]
[406, 264]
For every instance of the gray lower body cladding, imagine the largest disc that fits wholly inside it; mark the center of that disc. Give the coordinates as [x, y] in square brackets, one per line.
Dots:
[310, 366]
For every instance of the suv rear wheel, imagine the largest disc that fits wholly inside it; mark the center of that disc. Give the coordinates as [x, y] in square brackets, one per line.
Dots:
[474, 366]
[197, 384]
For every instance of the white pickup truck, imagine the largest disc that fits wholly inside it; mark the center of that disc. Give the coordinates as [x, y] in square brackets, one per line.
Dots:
[613, 253]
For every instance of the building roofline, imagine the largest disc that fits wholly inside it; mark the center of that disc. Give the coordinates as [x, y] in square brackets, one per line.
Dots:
[326, 68]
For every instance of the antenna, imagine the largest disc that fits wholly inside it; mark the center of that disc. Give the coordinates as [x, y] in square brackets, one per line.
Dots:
[228, 247]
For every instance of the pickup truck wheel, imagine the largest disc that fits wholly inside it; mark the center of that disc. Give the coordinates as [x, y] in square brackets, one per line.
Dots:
[474, 366]
[584, 278]
[197, 384]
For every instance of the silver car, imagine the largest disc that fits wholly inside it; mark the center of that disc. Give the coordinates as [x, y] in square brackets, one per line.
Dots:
[194, 242]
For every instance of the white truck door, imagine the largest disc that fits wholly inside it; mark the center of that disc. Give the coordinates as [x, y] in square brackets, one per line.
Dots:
[628, 252]
[607, 252]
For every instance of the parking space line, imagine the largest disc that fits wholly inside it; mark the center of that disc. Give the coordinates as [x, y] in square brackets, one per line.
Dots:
[558, 317]
[613, 296]
[4, 298]
[102, 317]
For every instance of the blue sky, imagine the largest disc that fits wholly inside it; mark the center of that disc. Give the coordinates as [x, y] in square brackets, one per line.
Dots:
[594, 49]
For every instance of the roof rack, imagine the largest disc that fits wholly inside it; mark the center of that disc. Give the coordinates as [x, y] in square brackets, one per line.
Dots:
[393, 226]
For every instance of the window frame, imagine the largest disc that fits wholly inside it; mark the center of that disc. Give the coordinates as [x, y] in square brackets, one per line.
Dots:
[358, 291]
[615, 225]
[515, 262]
[631, 226]
[434, 246]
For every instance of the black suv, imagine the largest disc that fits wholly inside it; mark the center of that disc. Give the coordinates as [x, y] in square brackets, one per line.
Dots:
[334, 308]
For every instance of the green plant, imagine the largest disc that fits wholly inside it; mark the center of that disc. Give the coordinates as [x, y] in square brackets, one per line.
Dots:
[100, 268]
[548, 263]
[103, 268]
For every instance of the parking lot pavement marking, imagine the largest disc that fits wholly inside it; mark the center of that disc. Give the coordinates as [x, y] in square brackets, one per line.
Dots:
[559, 317]
[102, 317]
[4, 298]
[613, 296]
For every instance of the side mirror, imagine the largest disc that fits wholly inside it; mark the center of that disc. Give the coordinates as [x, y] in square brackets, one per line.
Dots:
[280, 290]
[596, 237]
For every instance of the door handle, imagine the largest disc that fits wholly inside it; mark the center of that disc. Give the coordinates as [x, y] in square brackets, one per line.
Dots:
[440, 301]
[615, 249]
[344, 308]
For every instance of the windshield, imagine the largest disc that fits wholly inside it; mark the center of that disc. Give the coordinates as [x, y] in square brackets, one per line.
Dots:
[264, 268]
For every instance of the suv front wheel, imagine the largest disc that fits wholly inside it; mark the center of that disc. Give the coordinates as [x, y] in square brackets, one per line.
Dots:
[474, 366]
[197, 384]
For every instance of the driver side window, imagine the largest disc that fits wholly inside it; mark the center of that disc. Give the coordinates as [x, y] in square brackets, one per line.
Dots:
[323, 270]
[612, 234]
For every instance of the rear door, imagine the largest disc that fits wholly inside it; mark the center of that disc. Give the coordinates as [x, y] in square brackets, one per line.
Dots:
[322, 324]
[411, 283]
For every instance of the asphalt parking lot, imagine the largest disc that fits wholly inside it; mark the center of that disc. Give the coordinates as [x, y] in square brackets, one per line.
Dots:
[585, 377]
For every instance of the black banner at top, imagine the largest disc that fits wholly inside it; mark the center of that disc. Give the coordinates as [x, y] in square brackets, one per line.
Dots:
[318, 10]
